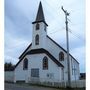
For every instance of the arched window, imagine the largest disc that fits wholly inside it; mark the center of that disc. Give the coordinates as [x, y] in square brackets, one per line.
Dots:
[25, 64]
[61, 56]
[45, 63]
[37, 26]
[45, 27]
[37, 39]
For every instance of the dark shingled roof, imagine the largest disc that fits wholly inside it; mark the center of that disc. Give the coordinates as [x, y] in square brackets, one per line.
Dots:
[40, 51]
[40, 15]
[24, 53]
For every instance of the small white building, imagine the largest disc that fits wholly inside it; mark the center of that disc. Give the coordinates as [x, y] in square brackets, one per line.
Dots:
[44, 60]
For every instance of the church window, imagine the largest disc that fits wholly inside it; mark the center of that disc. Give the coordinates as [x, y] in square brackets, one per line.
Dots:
[37, 39]
[37, 26]
[25, 64]
[45, 27]
[61, 56]
[35, 72]
[45, 63]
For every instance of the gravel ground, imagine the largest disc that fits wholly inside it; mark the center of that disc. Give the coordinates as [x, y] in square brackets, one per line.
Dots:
[11, 86]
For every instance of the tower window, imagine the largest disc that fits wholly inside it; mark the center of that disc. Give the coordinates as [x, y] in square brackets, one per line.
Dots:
[25, 64]
[45, 63]
[37, 39]
[37, 26]
[61, 56]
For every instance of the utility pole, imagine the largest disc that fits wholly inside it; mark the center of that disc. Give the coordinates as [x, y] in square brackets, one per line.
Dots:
[67, 40]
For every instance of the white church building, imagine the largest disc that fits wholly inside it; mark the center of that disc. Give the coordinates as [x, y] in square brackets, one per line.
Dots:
[44, 60]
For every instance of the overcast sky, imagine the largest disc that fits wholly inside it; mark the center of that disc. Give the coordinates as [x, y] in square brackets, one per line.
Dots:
[19, 15]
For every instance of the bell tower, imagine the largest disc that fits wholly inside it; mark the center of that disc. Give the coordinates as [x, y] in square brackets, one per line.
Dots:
[39, 30]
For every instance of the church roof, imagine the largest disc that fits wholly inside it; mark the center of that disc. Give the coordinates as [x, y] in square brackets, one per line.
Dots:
[35, 51]
[40, 15]
[53, 42]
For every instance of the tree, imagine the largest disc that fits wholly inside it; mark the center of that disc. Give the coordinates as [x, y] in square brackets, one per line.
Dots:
[8, 66]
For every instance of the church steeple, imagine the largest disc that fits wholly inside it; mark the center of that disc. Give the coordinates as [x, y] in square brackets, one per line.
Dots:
[40, 15]
[39, 30]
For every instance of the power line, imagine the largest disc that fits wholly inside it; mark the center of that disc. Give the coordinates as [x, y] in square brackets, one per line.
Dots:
[57, 30]
[76, 35]
[62, 29]
[68, 20]
[53, 9]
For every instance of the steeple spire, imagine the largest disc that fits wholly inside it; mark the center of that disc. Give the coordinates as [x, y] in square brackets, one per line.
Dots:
[40, 15]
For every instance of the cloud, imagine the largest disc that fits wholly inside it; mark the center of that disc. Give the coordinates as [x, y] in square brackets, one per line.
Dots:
[20, 14]
[20, 25]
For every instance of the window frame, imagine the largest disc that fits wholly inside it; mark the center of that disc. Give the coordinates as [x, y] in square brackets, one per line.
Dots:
[37, 39]
[25, 64]
[45, 27]
[37, 26]
[45, 63]
[61, 56]
[35, 72]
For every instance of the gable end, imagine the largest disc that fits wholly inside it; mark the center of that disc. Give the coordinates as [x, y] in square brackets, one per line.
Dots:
[39, 51]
